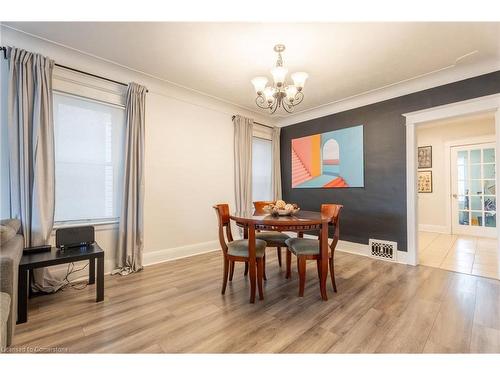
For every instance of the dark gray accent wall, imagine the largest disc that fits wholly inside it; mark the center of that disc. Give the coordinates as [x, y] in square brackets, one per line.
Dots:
[379, 209]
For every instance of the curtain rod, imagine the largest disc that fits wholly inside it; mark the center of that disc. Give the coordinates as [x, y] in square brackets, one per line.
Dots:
[4, 49]
[255, 122]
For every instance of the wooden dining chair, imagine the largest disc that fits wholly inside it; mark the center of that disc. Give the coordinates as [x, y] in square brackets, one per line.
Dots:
[309, 249]
[237, 250]
[273, 238]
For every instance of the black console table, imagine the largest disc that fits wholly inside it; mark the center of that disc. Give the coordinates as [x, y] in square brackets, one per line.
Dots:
[54, 257]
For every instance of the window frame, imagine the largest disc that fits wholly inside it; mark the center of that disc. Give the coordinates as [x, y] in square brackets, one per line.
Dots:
[264, 133]
[82, 86]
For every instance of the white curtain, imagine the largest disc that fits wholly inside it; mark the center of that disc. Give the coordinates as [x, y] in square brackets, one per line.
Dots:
[276, 175]
[31, 147]
[131, 232]
[243, 128]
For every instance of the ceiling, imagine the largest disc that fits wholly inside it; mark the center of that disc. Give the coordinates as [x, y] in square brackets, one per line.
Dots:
[220, 59]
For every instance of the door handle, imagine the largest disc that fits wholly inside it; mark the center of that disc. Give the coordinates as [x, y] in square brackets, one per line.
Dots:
[454, 196]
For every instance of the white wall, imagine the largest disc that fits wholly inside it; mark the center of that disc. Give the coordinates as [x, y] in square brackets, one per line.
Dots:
[432, 211]
[189, 156]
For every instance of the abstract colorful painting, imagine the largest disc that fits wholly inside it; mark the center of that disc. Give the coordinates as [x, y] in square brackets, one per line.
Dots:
[329, 160]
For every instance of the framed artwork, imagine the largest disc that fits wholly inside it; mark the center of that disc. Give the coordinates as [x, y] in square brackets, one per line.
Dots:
[425, 157]
[329, 160]
[425, 181]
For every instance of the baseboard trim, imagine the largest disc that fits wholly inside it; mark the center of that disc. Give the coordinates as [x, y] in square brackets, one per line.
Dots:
[363, 250]
[148, 259]
[165, 255]
[434, 228]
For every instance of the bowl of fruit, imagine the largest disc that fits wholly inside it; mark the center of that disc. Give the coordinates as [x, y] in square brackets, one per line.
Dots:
[281, 208]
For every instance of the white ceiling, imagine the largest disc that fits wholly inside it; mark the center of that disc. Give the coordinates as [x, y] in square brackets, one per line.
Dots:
[220, 59]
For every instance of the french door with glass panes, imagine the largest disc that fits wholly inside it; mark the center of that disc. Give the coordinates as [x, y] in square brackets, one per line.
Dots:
[473, 199]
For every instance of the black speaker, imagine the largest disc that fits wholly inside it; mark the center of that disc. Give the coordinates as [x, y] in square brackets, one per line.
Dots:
[74, 237]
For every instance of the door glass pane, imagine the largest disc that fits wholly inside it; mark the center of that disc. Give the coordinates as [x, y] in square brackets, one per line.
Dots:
[463, 217]
[489, 171]
[476, 218]
[463, 188]
[490, 219]
[476, 203]
[475, 171]
[489, 155]
[475, 156]
[462, 172]
[490, 204]
[489, 187]
[463, 202]
[475, 187]
[461, 157]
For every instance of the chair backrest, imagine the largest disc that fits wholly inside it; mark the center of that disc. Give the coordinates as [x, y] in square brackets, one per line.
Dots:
[333, 211]
[259, 205]
[222, 211]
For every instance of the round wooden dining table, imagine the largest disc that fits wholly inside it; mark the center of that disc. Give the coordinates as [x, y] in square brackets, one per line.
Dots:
[302, 221]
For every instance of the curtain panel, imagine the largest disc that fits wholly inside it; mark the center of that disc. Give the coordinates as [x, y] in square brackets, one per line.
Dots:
[131, 229]
[243, 132]
[31, 148]
[276, 171]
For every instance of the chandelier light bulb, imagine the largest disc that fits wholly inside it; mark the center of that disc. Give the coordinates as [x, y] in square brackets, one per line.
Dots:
[299, 79]
[279, 74]
[269, 94]
[290, 92]
[259, 84]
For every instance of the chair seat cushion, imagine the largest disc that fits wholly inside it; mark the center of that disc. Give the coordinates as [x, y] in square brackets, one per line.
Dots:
[239, 248]
[303, 246]
[271, 236]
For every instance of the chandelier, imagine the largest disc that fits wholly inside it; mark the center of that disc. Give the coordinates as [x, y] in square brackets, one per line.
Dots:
[280, 94]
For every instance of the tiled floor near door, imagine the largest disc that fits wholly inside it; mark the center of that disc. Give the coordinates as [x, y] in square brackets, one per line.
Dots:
[471, 255]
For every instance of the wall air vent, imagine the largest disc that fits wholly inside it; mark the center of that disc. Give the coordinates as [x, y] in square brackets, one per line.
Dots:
[381, 249]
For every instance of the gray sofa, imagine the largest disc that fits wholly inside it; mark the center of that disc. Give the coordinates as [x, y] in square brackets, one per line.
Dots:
[11, 251]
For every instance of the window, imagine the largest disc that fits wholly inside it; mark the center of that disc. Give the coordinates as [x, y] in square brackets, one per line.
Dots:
[89, 146]
[262, 169]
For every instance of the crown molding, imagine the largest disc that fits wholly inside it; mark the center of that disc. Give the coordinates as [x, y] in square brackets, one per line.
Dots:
[85, 61]
[441, 77]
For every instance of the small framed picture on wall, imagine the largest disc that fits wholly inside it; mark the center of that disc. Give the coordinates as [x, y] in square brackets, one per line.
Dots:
[425, 181]
[425, 157]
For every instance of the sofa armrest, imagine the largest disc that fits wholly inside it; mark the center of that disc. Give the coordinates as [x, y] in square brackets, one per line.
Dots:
[6, 275]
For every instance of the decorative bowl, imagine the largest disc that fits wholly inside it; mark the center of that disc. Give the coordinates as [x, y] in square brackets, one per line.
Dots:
[281, 212]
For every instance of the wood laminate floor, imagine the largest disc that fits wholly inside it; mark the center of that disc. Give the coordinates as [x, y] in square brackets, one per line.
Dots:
[176, 307]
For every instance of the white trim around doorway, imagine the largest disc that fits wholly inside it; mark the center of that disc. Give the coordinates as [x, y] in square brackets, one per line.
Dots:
[490, 103]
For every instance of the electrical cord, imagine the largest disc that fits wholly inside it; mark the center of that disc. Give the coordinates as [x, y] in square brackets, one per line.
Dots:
[71, 271]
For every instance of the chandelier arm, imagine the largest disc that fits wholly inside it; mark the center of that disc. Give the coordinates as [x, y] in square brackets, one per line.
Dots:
[261, 103]
[274, 106]
[298, 98]
[288, 107]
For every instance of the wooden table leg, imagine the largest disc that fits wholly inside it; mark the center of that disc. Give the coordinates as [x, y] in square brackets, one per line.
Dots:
[91, 271]
[100, 280]
[252, 264]
[22, 296]
[324, 260]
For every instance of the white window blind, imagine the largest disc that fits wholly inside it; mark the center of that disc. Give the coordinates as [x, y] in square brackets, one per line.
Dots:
[89, 147]
[261, 169]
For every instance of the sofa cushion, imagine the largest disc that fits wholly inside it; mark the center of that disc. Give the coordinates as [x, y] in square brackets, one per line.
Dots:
[13, 223]
[6, 233]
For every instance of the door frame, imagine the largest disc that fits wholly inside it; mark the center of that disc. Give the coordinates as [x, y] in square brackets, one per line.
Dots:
[489, 103]
[447, 169]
